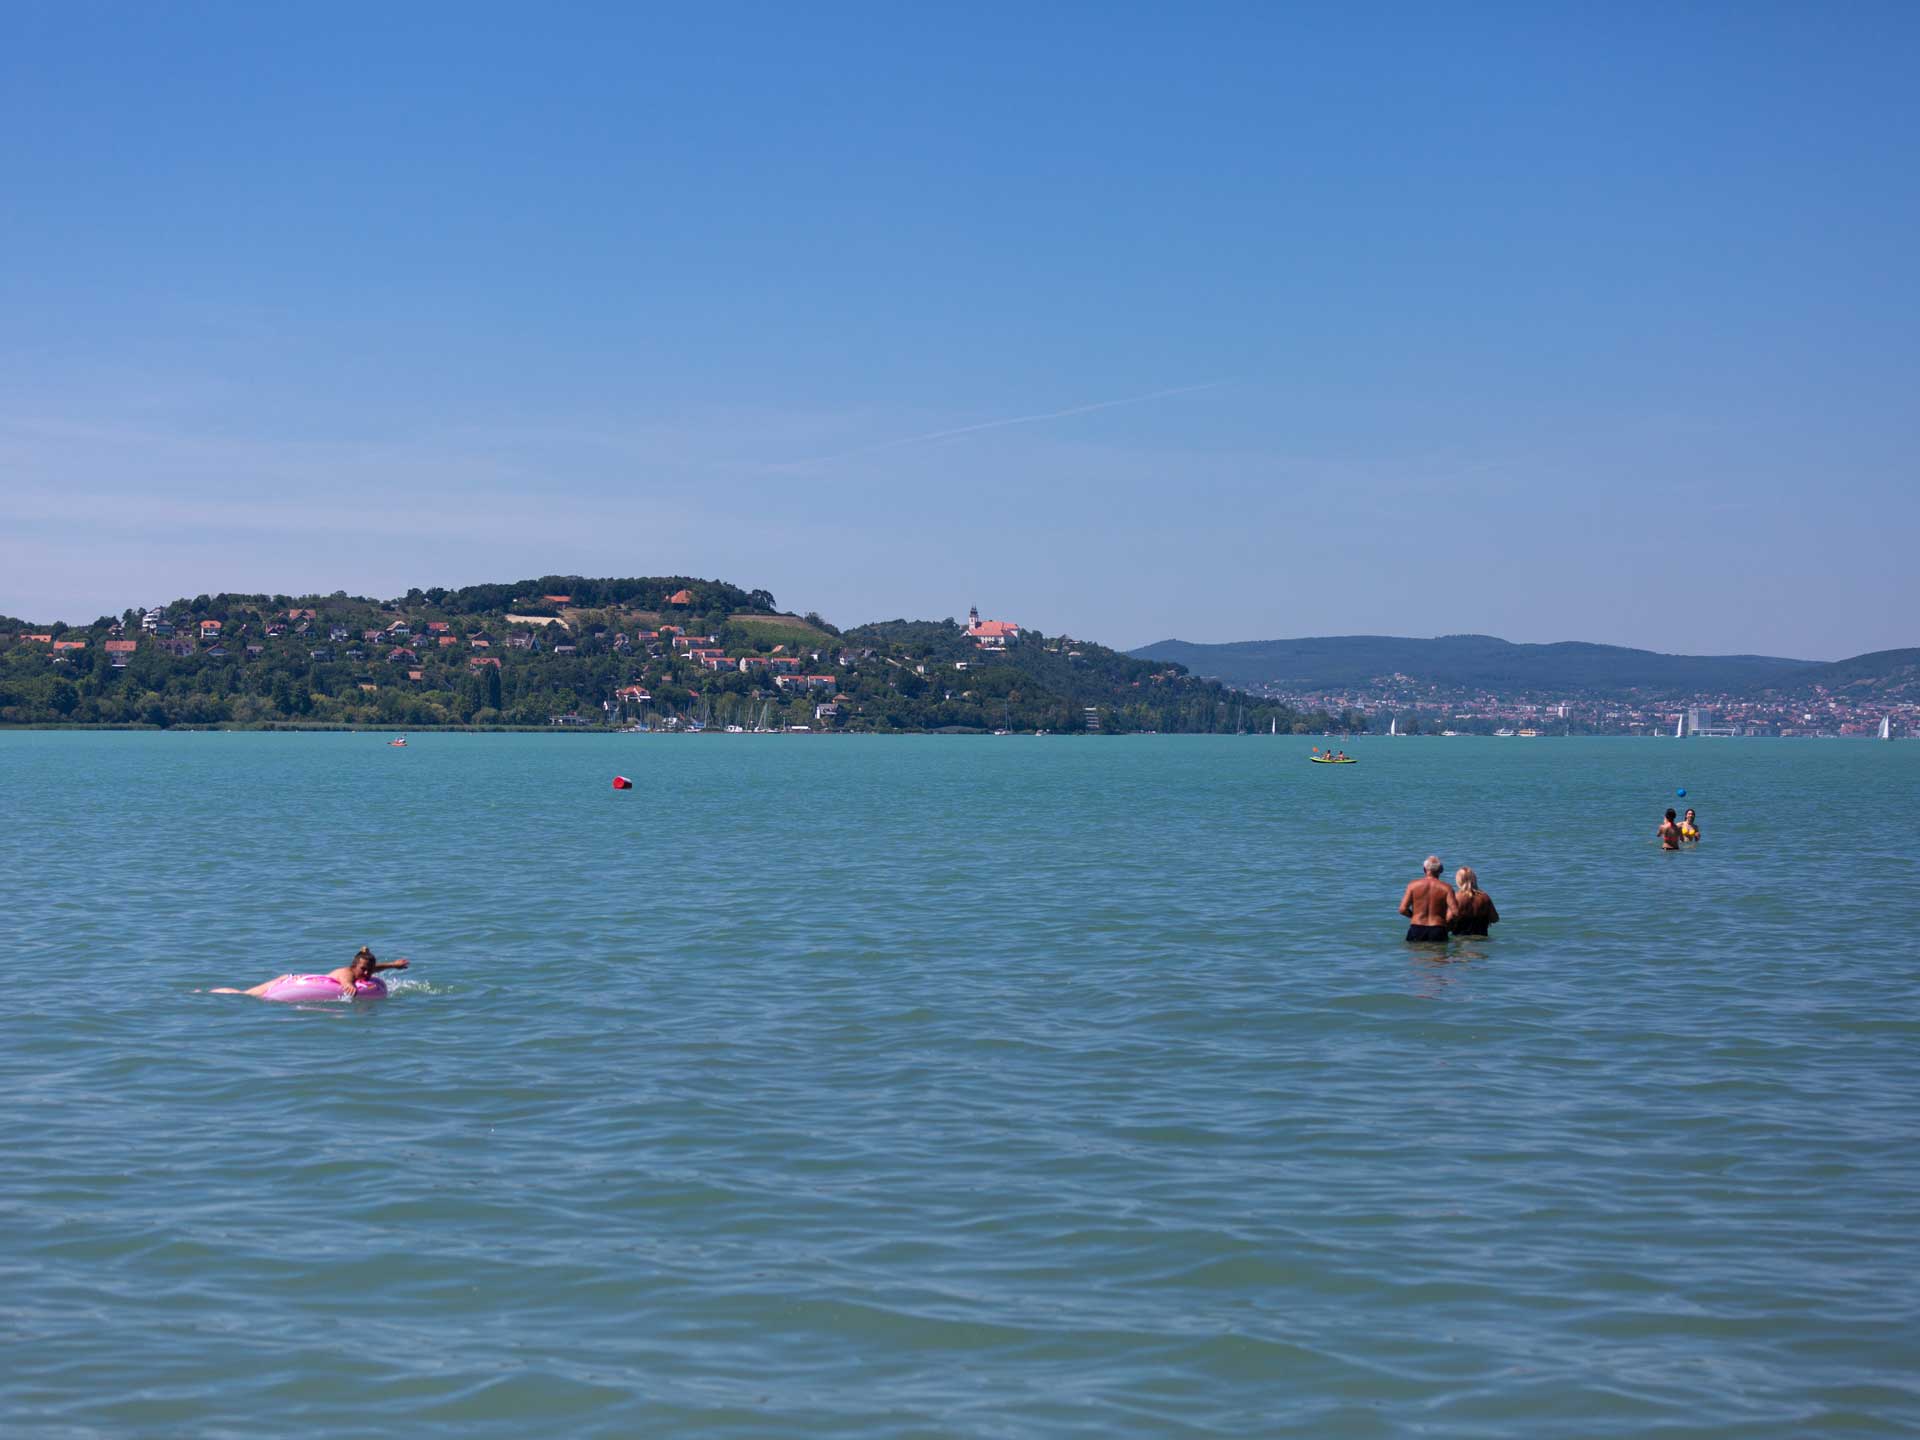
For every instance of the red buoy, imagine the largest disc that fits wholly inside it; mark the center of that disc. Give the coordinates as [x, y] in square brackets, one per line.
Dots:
[620, 782]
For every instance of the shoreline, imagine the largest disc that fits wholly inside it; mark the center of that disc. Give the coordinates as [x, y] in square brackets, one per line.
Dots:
[269, 728]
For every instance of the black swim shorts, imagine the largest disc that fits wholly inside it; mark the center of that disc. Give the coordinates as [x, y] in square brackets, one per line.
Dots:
[1426, 932]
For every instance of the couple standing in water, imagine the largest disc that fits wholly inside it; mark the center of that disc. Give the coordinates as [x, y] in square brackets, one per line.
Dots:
[1673, 834]
[1437, 909]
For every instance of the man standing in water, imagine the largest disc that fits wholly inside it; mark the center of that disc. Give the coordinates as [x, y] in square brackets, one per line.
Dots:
[1669, 833]
[1425, 903]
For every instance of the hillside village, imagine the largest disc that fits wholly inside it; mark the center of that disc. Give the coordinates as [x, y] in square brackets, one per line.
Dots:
[652, 655]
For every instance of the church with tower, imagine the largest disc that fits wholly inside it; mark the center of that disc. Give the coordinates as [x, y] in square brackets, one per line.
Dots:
[990, 634]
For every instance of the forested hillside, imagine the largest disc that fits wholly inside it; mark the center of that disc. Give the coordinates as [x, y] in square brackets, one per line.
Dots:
[1882, 675]
[663, 652]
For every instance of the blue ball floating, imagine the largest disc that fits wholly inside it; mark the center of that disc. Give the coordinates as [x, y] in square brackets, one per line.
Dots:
[1681, 793]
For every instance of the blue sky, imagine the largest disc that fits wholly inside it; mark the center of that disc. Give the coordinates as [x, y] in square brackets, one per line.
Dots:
[1551, 322]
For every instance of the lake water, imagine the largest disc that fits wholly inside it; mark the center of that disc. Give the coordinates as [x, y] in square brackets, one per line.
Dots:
[978, 1087]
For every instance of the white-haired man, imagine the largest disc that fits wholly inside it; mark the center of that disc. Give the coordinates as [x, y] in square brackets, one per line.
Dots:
[1425, 903]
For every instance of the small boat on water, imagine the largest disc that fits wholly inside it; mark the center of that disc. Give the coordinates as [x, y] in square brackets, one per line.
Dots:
[1503, 734]
[396, 744]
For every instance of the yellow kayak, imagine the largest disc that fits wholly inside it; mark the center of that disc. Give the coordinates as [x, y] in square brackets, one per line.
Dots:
[1327, 760]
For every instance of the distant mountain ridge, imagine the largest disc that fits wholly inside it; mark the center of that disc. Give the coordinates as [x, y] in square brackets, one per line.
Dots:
[1336, 662]
[1880, 675]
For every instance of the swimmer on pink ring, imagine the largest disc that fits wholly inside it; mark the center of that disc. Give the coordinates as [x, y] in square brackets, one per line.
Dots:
[354, 981]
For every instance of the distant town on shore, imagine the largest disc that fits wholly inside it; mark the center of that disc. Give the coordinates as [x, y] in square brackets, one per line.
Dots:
[1478, 684]
[683, 655]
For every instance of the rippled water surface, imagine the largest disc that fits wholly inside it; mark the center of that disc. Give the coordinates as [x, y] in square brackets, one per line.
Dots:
[994, 1087]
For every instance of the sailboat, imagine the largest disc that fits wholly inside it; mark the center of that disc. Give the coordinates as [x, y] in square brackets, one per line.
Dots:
[1393, 726]
[1680, 727]
[1886, 727]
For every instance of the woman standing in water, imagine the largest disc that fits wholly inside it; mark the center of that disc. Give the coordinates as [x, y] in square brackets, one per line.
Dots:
[1471, 910]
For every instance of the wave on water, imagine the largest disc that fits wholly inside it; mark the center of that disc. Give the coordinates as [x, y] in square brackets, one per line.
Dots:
[397, 988]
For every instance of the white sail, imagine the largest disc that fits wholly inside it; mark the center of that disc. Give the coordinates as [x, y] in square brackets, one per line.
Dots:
[1886, 727]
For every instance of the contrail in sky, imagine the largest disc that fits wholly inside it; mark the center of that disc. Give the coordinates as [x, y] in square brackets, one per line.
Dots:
[1018, 420]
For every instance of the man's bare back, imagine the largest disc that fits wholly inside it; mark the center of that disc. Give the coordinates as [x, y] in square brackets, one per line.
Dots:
[1425, 901]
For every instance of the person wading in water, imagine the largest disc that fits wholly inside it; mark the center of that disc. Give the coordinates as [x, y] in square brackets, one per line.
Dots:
[1425, 903]
[1669, 833]
[1472, 909]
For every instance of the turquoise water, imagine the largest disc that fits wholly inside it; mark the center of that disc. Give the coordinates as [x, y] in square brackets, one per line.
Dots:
[984, 1087]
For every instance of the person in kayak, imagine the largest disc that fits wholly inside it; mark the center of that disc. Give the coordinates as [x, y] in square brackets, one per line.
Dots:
[363, 966]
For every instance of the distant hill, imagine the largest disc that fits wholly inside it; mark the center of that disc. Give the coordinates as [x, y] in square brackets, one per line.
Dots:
[1477, 662]
[1879, 675]
[669, 652]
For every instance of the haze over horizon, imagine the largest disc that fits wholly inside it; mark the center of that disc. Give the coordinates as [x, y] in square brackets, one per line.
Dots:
[1231, 324]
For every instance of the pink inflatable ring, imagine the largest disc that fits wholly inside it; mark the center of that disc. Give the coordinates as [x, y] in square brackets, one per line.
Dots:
[320, 987]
